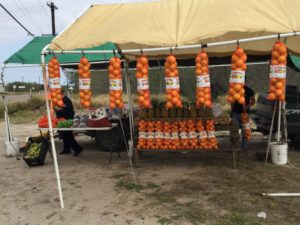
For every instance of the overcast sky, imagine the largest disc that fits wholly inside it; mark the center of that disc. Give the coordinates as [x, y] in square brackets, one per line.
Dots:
[35, 16]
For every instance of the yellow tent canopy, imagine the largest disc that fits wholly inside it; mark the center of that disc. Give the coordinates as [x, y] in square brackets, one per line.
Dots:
[184, 22]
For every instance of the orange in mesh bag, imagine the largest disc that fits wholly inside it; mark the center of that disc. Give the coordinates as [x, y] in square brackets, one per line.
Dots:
[246, 126]
[172, 83]
[142, 140]
[84, 73]
[54, 82]
[142, 69]
[203, 94]
[277, 78]
[237, 77]
[115, 84]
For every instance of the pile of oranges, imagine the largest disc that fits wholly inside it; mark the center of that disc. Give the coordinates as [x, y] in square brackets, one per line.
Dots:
[278, 72]
[203, 94]
[172, 83]
[167, 141]
[245, 125]
[142, 68]
[150, 134]
[54, 82]
[212, 140]
[115, 83]
[142, 141]
[84, 73]
[237, 78]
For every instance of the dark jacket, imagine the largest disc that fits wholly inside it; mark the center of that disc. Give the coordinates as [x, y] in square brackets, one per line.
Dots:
[67, 111]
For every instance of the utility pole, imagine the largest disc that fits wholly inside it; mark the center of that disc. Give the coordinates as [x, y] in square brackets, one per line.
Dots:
[52, 8]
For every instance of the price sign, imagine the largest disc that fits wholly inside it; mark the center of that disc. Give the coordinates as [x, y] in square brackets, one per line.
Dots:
[84, 83]
[237, 76]
[277, 71]
[203, 81]
[54, 83]
[115, 84]
[142, 84]
[172, 83]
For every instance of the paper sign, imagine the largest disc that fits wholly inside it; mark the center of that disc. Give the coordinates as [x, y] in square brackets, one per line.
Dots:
[84, 83]
[174, 135]
[115, 84]
[277, 71]
[159, 135]
[192, 135]
[211, 134]
[184, 135]
[172, 83]
[203, 81]
[150, 135]
[167, 135]
[237, 76]
[54, 83]
[246, 126]
[142, 135]
[203, 134]
[142, 84]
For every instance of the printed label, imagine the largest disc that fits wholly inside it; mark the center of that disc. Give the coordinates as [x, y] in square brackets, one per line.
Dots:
[184, 135]
[174, 135]
[167, 135]
[84, 83]
[211, 134]
[246, 126]
[277, 71]
[203, 81]
[142, 135]
[159, 135]
[192, 135]
[172, 83]
[150, 135]
[142, 84]
[203, 134]
[115, 85]
[54, 83]
[237, 76]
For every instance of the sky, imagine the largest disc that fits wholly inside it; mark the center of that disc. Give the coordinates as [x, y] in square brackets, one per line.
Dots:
[35, 16]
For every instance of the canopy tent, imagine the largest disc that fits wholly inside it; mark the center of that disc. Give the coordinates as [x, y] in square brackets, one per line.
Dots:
[183, 22]
[31, 53]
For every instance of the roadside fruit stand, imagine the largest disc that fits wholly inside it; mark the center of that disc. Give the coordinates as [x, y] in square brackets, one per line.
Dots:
[179, 32]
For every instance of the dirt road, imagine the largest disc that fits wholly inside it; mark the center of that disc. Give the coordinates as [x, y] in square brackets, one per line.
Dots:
[171, 189]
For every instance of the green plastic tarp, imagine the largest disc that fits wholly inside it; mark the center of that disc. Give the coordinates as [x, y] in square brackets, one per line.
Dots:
[294, 61]
[31, 53]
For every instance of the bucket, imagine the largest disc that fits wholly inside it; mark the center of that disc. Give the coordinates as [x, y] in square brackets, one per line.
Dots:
[12, 148]
[279, 153]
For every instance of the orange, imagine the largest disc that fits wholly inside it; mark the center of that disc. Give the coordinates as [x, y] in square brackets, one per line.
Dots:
[275, 54]
[279, 85]
[239, 63]
[198, 71]
[86, 92]
[138, 75]
[274, 62]
[278, 92]
[204, 62]
[233, 67]
[241, 100]
[84, 61]
[271, 96]
[282, 50]
[80, 72]
[237, 87]
[242, 91]
[111, 76]
[203, 55]
[58, 91]
[175, 100]
[145, 71]
[139, 66]
[172, 67]
[110, 69]
[273, 80]
[207, 103]
[174, 93]
[85, 69]
[60, 103]
[231, 91]
[236, 96]
[143, 60]
[169, 105]
[244, 57]
[204, 70]
[234, 58]
[112, 98]
[169, 97]
[239, 52]
[198, 59]
[51, 75]
[282, 60]
[276, 46]
[281, 98]
[179, 104]
[50, 64]
[171, 59]
[206, 90]
[141, 99]
[87, 97]
[53, 94]
[54, 101]
[116, 73]
[175, 72]
[81, 94]
[117, 66]
[244, 67]
[86, 104]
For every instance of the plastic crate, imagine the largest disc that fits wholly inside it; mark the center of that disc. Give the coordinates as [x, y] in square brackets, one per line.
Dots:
[38, 161]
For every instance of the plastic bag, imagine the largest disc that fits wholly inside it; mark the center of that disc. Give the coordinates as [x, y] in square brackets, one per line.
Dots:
[54, 82]
[84, 73]
[142, 68]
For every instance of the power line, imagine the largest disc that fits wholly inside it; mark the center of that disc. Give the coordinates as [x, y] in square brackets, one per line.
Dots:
[29, 33]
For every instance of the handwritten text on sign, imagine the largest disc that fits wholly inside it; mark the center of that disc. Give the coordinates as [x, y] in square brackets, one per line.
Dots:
[172, 83]
[142, 84]
[54, 83]
[203, 81]
[237, 76]
[277, 71]
[84, 83]
[115, 84]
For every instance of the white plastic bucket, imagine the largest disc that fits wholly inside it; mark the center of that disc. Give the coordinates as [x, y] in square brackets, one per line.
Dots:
[12, 148]
[279, 153]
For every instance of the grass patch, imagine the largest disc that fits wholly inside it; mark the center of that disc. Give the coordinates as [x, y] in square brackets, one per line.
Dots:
[129, 185]
[152, 186]
[120, 175]
[162, 197]
[164, 221]
[25, 116]
[239, 219]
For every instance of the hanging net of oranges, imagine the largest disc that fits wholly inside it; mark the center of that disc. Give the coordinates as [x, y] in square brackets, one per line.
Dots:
[167, 141]
[203, 94]
[150, 134]
[158, 126]
[54, 82]
[174, 136]
[184, 138]
[84, 73]
[212, 140]
[115, 83]
[237, 77]
[202, 135]
[172, 83]
[278, 72]
[142, 69]
[193, 140]
[246, 126]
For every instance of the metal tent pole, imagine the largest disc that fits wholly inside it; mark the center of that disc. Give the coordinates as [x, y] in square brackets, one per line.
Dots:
[279, 121]
[270, 133]
[131, 122]
[51, 132]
